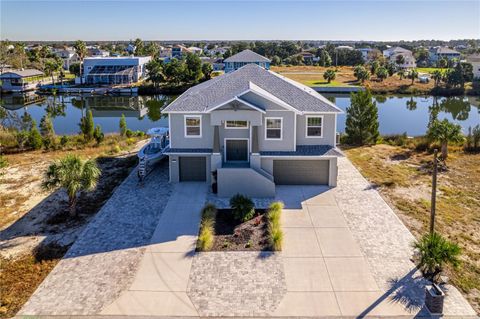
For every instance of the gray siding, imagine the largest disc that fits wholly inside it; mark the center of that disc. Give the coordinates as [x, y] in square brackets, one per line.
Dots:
[261, 102]
[328, 131]
[177, 133]
[287, 143]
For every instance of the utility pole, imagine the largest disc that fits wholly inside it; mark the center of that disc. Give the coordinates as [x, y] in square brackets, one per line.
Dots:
[434, 191]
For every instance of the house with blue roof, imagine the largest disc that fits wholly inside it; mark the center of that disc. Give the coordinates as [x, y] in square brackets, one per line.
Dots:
[243, 58]
[251, 129]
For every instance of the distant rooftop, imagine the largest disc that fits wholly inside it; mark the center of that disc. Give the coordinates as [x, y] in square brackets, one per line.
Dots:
[247, 56]
[445, 50]
[22, 73]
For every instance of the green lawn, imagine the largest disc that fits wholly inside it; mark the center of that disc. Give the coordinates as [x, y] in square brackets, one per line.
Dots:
[324, 83]
[429, 70]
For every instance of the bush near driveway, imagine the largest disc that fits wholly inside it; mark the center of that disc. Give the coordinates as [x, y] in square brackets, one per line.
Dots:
[243, 207]
[274, 227]
[207, 228]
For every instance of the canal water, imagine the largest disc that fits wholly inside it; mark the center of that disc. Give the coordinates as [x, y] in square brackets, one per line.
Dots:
[397, 114]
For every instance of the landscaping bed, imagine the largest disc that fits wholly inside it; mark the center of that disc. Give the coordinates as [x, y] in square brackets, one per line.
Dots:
[233, 235]
[241, 228]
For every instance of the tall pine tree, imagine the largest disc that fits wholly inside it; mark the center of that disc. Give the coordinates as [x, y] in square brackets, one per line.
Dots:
[362, 119]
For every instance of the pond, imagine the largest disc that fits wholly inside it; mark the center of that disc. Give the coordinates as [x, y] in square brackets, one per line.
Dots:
[397, 114]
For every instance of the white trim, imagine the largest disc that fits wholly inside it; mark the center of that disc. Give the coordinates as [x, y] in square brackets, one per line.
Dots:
[237, 128]
[321, 127]
[191, 154]
[236, 138]
[185, 126]
[170, 130]
[335, 132]
[185, 112]
[281, 128]
[268, 96]
[295, 131]
[236, 98]
[303, 157]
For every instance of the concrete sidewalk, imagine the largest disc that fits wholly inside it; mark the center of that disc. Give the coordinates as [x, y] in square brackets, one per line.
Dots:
[160, 284]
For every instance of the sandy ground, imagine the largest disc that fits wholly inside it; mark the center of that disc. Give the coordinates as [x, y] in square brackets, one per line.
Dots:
[31, 215]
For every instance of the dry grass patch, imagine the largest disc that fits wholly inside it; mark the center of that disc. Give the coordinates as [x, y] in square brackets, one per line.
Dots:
[405, 183]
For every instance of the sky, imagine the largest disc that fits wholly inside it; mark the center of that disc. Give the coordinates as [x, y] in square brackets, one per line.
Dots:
[380, 20]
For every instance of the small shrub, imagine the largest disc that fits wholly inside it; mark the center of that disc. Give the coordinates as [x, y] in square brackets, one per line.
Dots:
[116, 149]
[98, 134]
[129, 133]
[130, 140]
[22, 138]
[64, 140]
[274, 226]
[34, 137]
[140, 133]
[209, 211]
[205, 238]
[243, 207]
[395, 139]
[276, 238]
[123, 125]
[421, 145]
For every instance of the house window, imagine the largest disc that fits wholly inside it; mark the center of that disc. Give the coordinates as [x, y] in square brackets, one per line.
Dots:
[236, 124]
[314, 126]
[193, 126]
[273, 128]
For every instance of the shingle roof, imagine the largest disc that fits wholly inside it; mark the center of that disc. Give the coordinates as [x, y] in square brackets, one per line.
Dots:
[24, 73]
[446, 50]
[225, 87]
[307, 150]
[247, 56]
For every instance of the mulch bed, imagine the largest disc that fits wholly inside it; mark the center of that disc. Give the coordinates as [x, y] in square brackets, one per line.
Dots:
[232, 235]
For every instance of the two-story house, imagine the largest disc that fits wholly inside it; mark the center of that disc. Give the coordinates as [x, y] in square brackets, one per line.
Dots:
[251, 129]
[243, 58]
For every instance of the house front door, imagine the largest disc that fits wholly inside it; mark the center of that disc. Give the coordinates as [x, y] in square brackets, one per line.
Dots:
[236, 150]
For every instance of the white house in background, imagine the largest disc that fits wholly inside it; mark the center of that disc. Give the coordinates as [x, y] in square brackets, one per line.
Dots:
[392, 53]
[437, 53]
[218, 51]
[68, 56]
[114, 70]
[474, 60]
[165, 52]
[96, 52]
[243, 58]
[20, 80]
[195, 50]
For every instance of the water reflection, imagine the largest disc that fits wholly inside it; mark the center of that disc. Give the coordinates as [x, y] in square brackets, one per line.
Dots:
[397, 114]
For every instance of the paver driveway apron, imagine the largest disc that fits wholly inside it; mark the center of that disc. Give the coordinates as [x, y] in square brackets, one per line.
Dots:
[160, 285]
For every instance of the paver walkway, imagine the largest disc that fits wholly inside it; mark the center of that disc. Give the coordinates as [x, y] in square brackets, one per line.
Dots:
[102, 262]
[160, 285]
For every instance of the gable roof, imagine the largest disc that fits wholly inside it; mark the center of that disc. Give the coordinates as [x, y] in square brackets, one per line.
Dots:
[445, 50]
[253, 78]
[247, 56]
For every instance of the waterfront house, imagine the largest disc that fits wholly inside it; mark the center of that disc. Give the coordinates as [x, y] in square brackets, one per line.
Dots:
[114, 70]
[392, 53]
[251, 129]
[437, 53]
[69, 57]
[474, 60]
[20, 80]
[179, 50]
[243, 58]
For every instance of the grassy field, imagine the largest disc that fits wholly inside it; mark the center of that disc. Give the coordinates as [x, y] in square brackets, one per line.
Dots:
[29, 214]
[404, 180]
[313, 76]
[429, 70]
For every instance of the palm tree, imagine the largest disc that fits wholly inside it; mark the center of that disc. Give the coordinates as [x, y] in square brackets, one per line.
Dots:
[400, 59]
[445, 132]
[436, 252]
[74, 175]
[329, 75]
[413, 75]
[437, 76]
[401, 74]
[81, 50]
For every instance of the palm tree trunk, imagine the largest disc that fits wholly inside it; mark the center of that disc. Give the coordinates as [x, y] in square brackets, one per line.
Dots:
[72, 202]
[444, 150]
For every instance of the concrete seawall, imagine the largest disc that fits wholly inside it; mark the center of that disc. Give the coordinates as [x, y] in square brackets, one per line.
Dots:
[338, 89]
